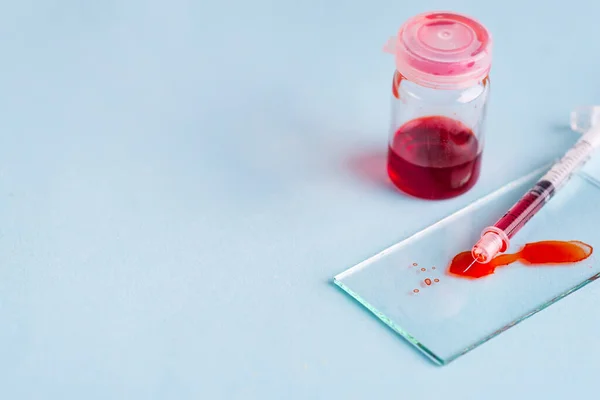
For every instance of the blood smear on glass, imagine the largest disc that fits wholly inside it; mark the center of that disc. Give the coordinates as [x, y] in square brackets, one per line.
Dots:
[538, 254]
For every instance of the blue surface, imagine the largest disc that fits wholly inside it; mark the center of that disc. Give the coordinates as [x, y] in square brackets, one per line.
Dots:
[180, 180]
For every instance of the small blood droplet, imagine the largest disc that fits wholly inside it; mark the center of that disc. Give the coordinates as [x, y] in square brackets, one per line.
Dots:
[428, 281]
[432, 267]
[423, 269]
[415, 264]
[416, 290]
[436, 280]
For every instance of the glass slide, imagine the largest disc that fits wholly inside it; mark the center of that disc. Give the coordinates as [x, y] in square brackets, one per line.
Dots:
[409, 288]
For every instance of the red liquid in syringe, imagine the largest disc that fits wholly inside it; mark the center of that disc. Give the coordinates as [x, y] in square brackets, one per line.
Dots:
[496, 238]
[525, 208]
[434, 157]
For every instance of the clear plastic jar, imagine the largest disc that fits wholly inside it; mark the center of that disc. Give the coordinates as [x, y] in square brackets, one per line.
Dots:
[439, 96]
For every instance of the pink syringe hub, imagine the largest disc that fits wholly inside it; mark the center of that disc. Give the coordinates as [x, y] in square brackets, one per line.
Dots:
[492, 242]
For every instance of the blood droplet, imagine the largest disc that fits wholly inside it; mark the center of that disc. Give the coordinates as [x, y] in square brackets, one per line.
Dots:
[396, 83]
[415, 264]
[416, 290]
[548, 253]
[432, 267]
[423, 269]
[436, 280]
[428, 281]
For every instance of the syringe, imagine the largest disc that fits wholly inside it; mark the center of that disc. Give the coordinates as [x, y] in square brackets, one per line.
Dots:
[495, 239]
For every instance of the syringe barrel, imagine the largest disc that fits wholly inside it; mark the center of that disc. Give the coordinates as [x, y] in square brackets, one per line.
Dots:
[525, 208]
[560, 172]
[545, 188]
[495, 239]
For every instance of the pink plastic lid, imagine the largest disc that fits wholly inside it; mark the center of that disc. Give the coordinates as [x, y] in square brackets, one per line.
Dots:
[442, 50]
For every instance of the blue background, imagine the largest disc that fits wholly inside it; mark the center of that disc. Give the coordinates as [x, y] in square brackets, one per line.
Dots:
[180, 180]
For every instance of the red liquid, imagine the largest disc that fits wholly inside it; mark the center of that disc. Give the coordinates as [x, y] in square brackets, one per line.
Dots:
[550, 252]
[434, 158]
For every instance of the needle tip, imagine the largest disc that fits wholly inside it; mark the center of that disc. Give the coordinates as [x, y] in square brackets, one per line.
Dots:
[470, 265]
